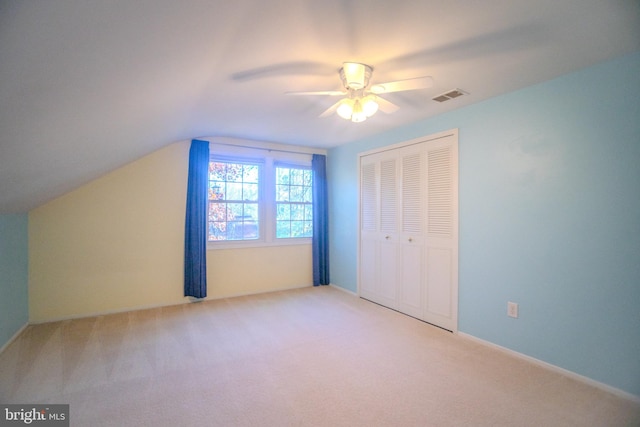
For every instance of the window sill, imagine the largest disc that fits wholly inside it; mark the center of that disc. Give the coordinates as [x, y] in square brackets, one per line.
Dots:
[214, 246]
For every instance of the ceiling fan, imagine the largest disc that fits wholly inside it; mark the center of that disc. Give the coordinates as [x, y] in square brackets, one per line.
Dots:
[361, 98]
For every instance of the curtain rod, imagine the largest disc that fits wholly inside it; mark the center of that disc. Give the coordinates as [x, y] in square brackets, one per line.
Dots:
[263, 149]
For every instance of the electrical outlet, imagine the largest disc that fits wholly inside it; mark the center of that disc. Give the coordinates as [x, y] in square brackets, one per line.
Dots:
[512, 309]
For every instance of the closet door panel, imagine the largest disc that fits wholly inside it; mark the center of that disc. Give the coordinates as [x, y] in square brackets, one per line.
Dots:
[388, 197]
[411, 283]
[412, 205]
[439, 285]
[388, 260]
[379, 228]
[388, 280]
[441, 297]
[368, 270]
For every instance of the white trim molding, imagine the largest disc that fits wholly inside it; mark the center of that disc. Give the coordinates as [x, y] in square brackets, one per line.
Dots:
[554, 368]
[13, 338]
[186, 300]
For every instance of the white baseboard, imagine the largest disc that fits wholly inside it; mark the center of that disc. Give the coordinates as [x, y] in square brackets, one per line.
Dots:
[12, 339]
[186, 300]
[267, 291]
[103, 313]
[557, 369]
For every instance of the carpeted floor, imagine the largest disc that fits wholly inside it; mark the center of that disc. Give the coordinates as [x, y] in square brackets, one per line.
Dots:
[306, 357]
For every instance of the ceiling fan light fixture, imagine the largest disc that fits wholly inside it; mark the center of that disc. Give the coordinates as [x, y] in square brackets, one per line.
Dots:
[369, 105]
[358, 113]
[357, 109]
[345, 109]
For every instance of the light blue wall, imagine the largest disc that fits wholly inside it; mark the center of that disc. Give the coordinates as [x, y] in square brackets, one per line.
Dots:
[14, 309]
[549, 218]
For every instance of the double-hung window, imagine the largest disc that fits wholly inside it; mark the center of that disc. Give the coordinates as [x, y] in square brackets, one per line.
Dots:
[234, 200]
[259, 198]
[294, 202]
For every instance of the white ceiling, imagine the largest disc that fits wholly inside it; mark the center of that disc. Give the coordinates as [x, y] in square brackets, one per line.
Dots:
[89, 85]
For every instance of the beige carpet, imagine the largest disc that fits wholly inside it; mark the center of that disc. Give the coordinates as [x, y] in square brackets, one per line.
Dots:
[307, 357]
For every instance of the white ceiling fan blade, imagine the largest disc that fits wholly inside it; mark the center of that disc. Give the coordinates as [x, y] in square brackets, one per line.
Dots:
[329, 111]
[299, 68]
[386, 106]
[322, 92]
[402, 85]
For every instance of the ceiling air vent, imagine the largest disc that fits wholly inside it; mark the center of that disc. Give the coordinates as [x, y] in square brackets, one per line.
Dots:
[450, 95]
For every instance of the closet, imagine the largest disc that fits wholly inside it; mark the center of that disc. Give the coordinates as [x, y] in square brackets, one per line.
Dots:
[408, 241]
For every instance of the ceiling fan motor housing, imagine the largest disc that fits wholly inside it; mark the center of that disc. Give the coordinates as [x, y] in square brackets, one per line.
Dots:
[355, 76]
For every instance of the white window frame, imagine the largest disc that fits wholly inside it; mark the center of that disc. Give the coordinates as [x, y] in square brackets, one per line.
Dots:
[288, 165]
[261, 191]
[267, 205]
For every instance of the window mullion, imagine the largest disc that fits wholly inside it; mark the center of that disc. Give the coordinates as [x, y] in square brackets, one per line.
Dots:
[269, 194]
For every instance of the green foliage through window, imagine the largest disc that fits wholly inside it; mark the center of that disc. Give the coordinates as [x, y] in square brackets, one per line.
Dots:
[294, 203]
[234, 190]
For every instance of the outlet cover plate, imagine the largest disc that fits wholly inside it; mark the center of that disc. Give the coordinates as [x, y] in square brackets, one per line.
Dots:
[512, 309]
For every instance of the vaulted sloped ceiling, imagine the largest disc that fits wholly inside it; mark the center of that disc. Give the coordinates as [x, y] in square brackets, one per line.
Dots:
[89, 85]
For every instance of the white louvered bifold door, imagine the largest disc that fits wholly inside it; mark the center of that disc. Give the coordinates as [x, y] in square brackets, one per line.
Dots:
[388, 237]
[411, 239]
[379, 228]
[441, 296]
[369, 252]
[408, 249]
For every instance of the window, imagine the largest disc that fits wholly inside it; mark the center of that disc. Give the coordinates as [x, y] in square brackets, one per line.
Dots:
[294, 204]
[259, 197]
[234, 208]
